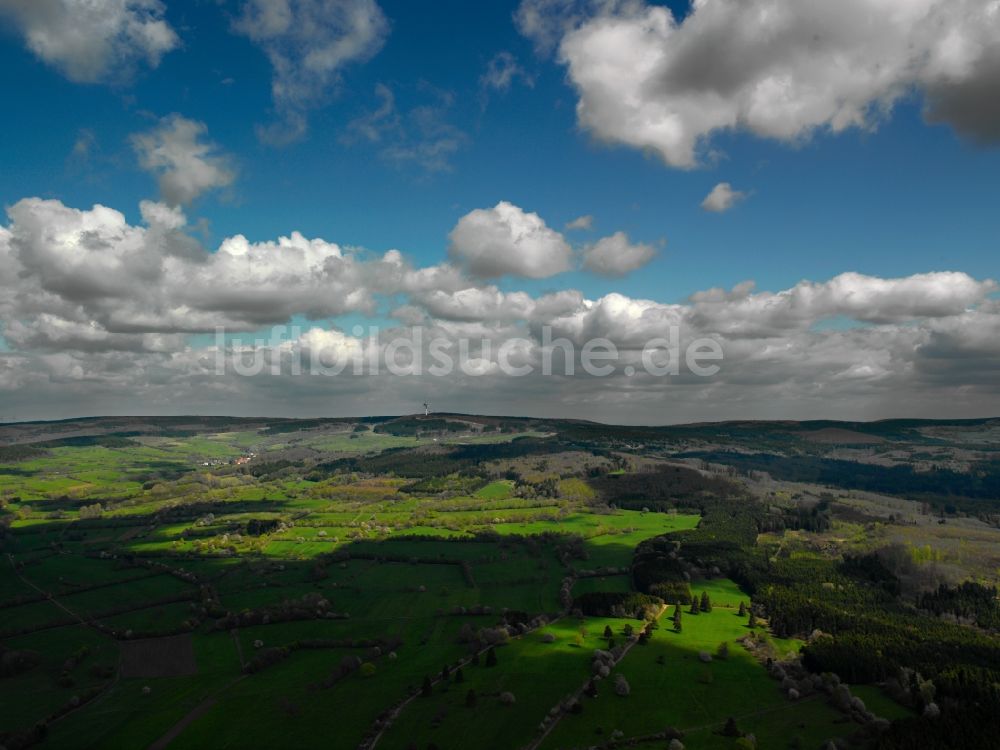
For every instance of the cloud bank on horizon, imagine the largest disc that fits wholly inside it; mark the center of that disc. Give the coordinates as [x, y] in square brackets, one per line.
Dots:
[103, 314]
[101, 311]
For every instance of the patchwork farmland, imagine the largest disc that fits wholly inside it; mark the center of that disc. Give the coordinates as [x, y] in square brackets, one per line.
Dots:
[361, 584]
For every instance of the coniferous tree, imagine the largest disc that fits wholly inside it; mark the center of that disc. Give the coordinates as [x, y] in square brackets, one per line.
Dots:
[706, 603]
[677, 617]
[607, 631]
[459, 676]
[427, 688]
[470, 698]
[743, 609]
[695, 609]
[491, 657]
[730, 729]
[752, 622]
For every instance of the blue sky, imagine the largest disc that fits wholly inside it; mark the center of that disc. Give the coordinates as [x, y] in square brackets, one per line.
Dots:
[890, 199]
[903, 199]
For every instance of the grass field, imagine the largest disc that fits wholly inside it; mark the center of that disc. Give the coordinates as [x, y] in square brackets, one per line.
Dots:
[170, 536]
[671, 686]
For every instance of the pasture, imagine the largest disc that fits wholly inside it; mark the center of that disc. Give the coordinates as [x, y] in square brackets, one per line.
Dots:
[165, 584]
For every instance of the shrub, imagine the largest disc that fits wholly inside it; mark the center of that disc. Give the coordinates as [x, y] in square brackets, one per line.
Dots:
[13, 663]
[367, 669]
[507, 698]
[622, 687]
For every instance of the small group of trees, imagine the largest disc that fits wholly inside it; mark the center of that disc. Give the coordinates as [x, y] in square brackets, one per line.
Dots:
[91, 511]
[647, 633]
[704, 604]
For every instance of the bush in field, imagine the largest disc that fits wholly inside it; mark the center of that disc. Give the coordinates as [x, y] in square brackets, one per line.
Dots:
[91, 511]
[470, 698]
[507, 698]
[17, 662]
[722, 651]
[493, 636]
[548, 638]
[349, 664]
[266, 657]
[622, 687]
[367, 669]
[466, 633]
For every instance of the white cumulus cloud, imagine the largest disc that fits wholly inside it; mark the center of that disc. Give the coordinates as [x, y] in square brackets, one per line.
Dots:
[505, 239]
[581, 223]
[99, 311]
[780, 69]
[616, 256]
[91, 42]
[185, 164]
[722, 198]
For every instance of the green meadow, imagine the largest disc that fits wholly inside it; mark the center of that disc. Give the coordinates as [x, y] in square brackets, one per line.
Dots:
[277, 558]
